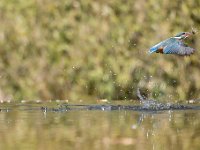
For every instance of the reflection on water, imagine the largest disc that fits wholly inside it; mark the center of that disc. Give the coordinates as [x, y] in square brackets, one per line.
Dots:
[23, 128]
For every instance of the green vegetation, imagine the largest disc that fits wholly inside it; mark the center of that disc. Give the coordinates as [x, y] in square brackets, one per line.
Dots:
[84, 49]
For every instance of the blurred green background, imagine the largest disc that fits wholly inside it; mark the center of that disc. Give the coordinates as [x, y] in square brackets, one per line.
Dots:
[95, 49]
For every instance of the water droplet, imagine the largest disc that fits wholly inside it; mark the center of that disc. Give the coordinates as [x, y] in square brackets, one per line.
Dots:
[134, 126]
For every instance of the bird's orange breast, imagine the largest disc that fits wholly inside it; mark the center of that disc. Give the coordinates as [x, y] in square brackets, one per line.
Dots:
[160, 50]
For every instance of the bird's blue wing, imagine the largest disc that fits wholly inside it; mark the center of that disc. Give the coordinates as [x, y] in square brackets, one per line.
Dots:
[179, 48]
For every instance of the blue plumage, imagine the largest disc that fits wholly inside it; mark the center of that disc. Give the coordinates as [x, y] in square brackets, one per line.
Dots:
[174, 45]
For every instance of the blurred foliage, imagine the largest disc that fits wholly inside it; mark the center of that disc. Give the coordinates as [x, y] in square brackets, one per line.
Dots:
[82, 49]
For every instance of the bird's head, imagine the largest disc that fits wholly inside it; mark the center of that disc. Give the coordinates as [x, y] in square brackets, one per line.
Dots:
[183, 35]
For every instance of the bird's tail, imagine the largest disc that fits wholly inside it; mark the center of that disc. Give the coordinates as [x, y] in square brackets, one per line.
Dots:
[152, 50]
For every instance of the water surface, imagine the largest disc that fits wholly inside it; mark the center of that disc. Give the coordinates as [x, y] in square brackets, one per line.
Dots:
[30, 126]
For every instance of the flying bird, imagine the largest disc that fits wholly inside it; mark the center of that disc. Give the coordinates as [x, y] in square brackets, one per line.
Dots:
[174, 45]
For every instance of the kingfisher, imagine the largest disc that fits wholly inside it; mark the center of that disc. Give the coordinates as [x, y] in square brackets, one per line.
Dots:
[174, 45]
